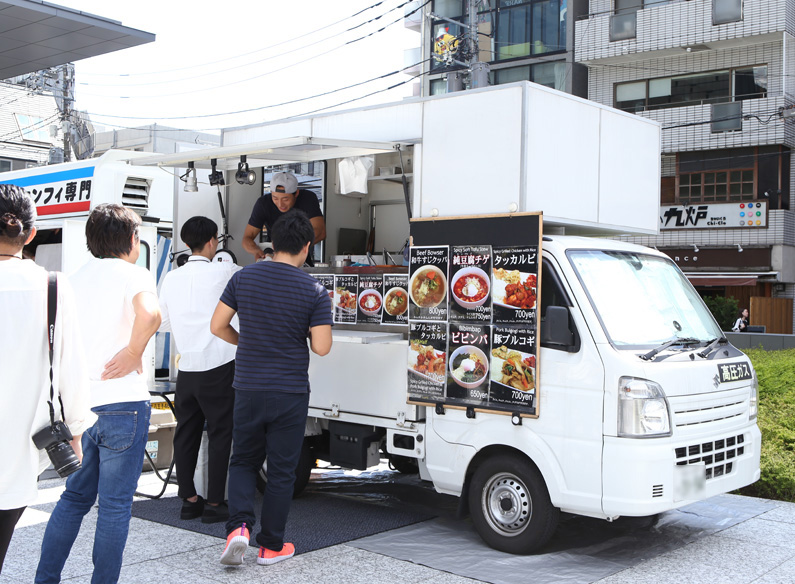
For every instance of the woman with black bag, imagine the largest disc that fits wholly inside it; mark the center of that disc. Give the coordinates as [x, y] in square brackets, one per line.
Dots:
[25, 363]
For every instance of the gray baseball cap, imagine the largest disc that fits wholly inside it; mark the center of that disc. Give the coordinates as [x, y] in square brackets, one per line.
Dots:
[285, 180]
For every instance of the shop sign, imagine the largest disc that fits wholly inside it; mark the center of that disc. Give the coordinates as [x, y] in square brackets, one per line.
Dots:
[715, 216]
[65, 192]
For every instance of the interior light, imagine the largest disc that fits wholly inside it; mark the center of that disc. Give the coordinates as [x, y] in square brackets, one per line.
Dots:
[189, 178]
[216, 176]
[739, 248]
[244, 175]
[695, 248]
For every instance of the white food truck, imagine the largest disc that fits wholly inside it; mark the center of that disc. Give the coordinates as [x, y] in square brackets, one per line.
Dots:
[638, 403]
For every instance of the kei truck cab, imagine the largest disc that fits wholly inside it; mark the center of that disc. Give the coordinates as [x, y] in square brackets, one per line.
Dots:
[488, 334]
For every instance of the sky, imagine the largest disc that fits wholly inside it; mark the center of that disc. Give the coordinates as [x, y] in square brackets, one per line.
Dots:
[222, 57]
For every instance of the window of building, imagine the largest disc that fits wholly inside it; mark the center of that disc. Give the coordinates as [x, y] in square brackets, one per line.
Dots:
[717, 187]
[724, 11]
[551, 74]
[694, 89]
[5, 165]
[438, 87]
[33, 128]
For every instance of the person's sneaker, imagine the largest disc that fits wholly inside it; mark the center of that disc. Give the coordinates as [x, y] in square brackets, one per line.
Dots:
[236, 544]
[192, 510]
[215, 513]
[267, 557]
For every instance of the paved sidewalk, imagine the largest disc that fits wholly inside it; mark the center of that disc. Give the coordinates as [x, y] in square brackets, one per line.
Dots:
[758, 550]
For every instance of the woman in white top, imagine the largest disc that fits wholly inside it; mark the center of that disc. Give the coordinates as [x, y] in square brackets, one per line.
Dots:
[742, 322]
[24, 363]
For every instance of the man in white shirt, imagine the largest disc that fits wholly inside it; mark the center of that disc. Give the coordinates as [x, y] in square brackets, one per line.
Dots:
[118, 310]
[188, 298]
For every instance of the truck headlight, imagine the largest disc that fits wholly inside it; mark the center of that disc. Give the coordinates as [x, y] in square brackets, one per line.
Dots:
[643, 410]
[753, 402]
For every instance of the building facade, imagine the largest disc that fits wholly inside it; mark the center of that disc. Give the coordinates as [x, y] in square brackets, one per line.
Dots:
[29, 127]
[715, 75]
[520, 40]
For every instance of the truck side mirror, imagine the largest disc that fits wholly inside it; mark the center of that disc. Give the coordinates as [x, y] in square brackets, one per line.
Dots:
[555, 327]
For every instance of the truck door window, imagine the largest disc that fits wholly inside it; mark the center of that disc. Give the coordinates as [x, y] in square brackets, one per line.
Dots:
[143, 259]
[553, 294]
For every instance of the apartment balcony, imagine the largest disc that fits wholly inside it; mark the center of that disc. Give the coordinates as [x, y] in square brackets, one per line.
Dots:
[413, 15]
[412, 61]
[675, 27]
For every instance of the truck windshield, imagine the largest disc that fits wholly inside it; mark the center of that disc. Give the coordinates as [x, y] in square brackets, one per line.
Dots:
[642, 300]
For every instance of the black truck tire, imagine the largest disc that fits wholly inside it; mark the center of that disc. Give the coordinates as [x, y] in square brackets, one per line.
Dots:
[510, 505]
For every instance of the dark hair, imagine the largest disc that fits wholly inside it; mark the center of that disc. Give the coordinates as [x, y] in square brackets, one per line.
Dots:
[17, 215]
[740, 314]
[110, 229]
[291, 232]
[197, 231]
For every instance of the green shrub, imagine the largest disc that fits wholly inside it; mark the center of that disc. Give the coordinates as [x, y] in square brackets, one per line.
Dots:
[776, 372]
[724, 310]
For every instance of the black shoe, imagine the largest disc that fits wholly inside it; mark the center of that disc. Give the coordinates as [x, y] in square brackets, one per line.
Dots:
[192, 510]
[215, 513]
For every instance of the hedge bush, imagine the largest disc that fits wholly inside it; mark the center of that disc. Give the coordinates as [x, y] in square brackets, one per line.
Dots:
[776, 372]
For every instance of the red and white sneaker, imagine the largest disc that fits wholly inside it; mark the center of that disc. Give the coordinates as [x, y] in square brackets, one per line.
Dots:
[267, 557]
[236, 544]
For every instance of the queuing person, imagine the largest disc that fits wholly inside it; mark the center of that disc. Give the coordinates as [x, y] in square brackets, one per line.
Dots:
[279, 306]
[741, 324]
[24, 363]
[284, 196]
[188, 298]
[118, 309]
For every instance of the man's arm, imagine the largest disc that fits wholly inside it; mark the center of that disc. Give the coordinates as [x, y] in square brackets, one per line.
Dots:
[249, 244]
[320, 339]
[221, 324]
[147, 319]
[319, 224]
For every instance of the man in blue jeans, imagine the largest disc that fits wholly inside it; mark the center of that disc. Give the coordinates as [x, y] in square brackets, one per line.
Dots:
[118, 311]
[279, 306]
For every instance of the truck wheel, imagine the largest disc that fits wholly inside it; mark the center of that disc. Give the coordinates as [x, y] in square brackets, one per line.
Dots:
[510, 505]
[306, 462]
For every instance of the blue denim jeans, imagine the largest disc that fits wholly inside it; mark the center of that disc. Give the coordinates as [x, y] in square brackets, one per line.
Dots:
[267, 424]
[113, 453]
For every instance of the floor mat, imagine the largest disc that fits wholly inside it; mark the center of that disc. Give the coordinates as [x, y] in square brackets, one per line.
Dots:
[316, 520]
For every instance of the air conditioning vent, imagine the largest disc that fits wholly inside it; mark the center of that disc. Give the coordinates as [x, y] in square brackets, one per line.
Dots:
[136, 194]
[657, 491]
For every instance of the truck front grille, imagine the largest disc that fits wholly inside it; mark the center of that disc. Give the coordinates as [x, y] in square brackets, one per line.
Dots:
[718, 456]
[709, 408]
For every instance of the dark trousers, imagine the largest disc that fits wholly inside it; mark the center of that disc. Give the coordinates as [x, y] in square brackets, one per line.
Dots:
[200, 396]
[8, 520]
[267, 423]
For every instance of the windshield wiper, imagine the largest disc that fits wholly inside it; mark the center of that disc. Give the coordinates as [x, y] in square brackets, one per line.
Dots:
[721, 340]
[675, 341]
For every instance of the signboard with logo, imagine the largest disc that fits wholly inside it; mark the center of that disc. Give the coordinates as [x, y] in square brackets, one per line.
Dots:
[66, 192]
[715, 216]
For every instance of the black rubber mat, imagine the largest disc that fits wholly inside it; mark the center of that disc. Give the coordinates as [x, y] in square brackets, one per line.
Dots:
[316, 520]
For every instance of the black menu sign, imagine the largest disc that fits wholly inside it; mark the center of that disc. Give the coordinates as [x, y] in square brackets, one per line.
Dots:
[470, 283]
[428, 283]
[327, 281]
[468, 363]
[514, 285]
[427, 361]
[396, 299]
[346, 287]
[370, 300]
[513, 368]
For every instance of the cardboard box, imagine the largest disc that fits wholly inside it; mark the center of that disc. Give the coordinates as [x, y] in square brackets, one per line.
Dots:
[160, 446]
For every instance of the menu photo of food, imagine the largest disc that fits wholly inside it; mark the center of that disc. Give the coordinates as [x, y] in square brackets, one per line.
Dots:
[346, 288]
[327, 281]
[470, 283]
[428, 282]
[427, 361]
[468, 364]
[396, 299]
[514, 285]
[513, 367]
[370, 300]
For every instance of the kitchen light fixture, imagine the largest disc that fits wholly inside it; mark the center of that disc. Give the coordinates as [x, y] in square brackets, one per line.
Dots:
[189, 178]
[739, 248]
[244, 175]
[216, 176]
[695, 248]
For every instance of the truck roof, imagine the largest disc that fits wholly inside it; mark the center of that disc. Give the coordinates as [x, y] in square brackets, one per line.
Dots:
[564, 243]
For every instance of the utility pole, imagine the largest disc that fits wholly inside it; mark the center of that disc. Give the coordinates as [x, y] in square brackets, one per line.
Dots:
[66, 84]
[479, 71]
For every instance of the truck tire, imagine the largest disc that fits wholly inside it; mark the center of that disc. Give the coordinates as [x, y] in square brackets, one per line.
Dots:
[306, 462]
[403, 464]
[510, 505]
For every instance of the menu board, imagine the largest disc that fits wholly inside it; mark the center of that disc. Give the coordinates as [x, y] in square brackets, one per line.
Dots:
[428, 283]
[327, 281]
[484, 338]
[470, 281]
[370, 298]
[427, 361]
[396, 299]
[346, 289]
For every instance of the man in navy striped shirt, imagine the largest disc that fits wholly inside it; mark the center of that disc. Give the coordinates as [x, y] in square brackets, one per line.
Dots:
[279, 306]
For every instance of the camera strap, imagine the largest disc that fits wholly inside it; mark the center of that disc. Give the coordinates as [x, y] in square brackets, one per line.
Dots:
[52, 309]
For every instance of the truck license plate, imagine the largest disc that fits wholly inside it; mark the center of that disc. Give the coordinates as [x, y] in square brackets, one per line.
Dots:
[690, 482]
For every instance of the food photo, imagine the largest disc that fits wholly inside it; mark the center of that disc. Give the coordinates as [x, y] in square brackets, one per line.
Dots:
[370, 301]
[513, 369]
[470, 287]
[469, 366]
[427, 361]
[345, 300]
[514, 289]
[396, 301]
[428, 287]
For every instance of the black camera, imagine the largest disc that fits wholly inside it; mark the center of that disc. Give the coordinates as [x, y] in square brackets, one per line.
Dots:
[55, 439]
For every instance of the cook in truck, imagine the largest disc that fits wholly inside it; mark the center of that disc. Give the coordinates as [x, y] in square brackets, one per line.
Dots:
[284, 196]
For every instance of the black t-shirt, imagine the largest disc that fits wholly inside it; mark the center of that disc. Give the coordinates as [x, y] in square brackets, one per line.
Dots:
[265, 212]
